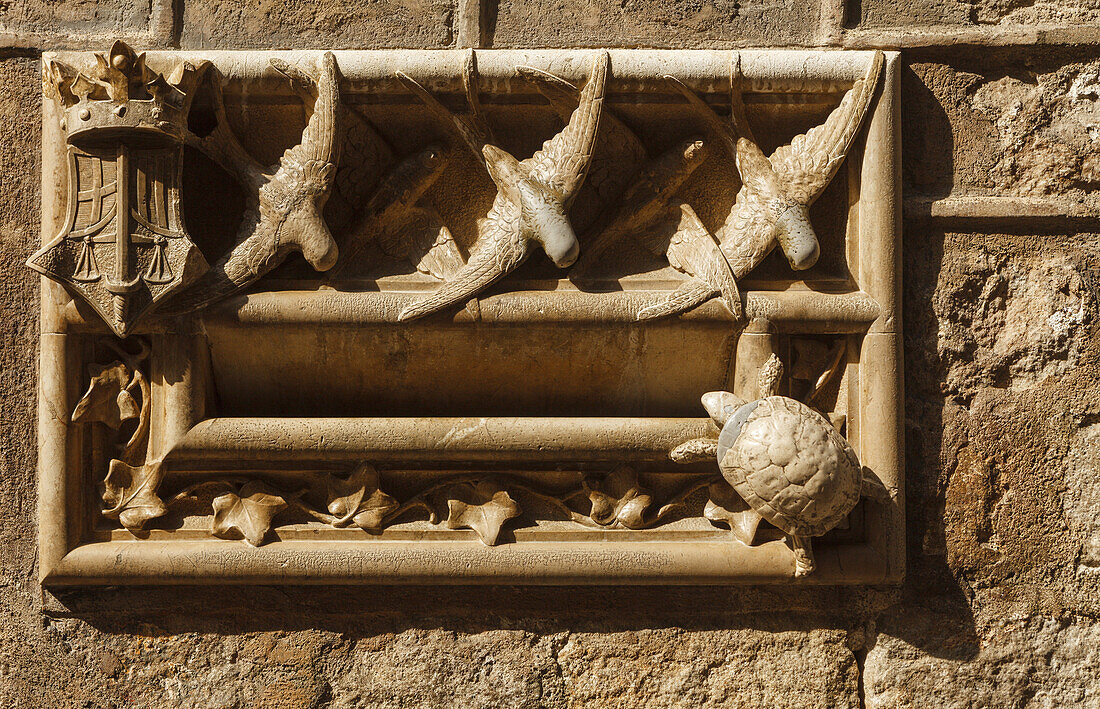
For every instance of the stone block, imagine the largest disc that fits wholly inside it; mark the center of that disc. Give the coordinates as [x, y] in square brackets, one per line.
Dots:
[1025, 129]
[641, 23]
[764, 665]
[1033, 662]
[318, 24]
[901, 13]
[77, 17]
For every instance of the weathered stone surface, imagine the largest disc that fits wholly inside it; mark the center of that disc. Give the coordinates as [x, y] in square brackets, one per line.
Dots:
[317, 24]
[1002, 397]
[19, 196]
[635, 23]
[27, 666]
[154, 660]
[79, 16]
[892, 13]
[761, 666]
[1080, 502]
[999, 606]
[1001, 347]
[1034, 662]
[1009, 321]
[1026, 130]
[1048, 126]
[424, 668]
[147, 668]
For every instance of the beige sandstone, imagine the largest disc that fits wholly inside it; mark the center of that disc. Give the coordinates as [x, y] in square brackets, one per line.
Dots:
[999, 299]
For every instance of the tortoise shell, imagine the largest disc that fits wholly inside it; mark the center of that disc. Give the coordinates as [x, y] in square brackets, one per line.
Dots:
[790, 465]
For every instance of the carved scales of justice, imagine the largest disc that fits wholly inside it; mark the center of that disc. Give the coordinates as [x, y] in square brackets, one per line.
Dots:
[125, 251]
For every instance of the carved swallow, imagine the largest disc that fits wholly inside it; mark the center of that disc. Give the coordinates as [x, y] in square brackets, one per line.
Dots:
[284, 203]
[646, 209]
[772, 206]
[670, 228]
[533, 195]
[394, 222]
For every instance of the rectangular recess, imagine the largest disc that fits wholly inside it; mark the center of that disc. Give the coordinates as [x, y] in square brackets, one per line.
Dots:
[188, 367]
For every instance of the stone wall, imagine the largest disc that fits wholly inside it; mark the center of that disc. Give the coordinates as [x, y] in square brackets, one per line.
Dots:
[1001, 106]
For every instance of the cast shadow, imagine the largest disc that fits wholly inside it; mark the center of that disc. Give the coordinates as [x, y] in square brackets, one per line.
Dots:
[358, 612]
[930, 610]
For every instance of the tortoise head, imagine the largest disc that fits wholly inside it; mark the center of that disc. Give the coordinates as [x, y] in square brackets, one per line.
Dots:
[721, 405]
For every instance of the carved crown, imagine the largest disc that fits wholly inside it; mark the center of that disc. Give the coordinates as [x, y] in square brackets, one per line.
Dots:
[122, 96]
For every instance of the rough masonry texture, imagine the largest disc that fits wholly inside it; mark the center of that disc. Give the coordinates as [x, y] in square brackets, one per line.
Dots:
[1001, 300]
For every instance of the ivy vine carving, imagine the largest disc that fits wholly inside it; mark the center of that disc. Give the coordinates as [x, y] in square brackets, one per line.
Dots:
[119, 392]
[485, 504]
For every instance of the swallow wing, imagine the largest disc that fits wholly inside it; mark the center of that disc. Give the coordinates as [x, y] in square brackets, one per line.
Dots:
[645, 202]
[367, 156]
[319, 136]
[749, 232]
[694, 250]
[422, 239]
[471, 132]
[806, 166]
[563, 161]
[618, 153]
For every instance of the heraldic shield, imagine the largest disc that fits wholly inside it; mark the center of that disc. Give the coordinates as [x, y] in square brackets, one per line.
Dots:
[124, 247]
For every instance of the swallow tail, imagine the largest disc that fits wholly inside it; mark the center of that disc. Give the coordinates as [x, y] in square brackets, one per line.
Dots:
[731, 294]
[689, 295]
[468, 282]
[256, 254]
[397, 193]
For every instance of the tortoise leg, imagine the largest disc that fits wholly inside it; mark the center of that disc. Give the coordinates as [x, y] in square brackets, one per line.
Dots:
[873, 487]
[697, 450]
[803, 556]
[744, 525]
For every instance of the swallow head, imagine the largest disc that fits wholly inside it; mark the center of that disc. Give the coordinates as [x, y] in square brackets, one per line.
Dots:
[305, 230]
[797, 237]
[545, 220]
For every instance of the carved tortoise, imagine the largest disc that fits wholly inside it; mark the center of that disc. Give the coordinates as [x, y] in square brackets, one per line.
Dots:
[787, 461]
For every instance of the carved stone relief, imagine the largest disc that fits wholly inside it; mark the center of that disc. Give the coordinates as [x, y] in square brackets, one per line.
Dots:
[484, 366]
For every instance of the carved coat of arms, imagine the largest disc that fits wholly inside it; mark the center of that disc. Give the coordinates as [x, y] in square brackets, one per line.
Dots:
[123, 247]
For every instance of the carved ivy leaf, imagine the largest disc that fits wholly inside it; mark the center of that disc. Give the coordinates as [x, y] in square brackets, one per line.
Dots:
[620, 498]
[131, 492]
[483, 507]
[358, 500]
[247, 513]
[107, 399]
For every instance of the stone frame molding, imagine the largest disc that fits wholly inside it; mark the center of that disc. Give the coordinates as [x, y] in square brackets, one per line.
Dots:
[171, 375]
